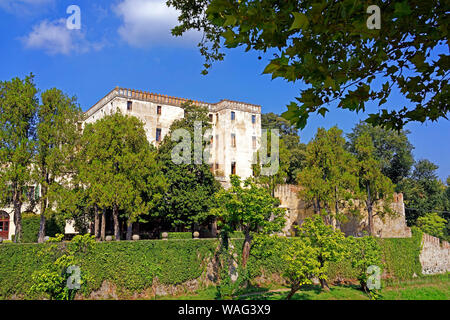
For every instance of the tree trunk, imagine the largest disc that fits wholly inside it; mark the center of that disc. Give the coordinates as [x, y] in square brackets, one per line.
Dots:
[17, 215]
[103, 226]
[116, 222]
[294, 289]
[369, 211]
[129, 230]
[96, 223]
[246, 248]
[324, 285]
[41, 234]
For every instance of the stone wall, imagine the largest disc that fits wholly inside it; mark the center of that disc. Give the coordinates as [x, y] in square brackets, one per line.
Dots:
[435, 255]
[390, 226]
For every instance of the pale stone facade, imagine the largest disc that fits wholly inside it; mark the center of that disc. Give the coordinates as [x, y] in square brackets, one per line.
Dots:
[236, 126]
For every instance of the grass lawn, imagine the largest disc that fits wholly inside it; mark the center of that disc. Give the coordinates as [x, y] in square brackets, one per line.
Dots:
[423, 288]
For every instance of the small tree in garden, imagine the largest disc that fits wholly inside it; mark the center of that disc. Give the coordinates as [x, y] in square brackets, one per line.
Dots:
[301, 264]
[363, 253]
[329, 244]
[249, 207]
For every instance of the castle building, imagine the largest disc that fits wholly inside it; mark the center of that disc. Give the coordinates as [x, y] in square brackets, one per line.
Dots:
[236, 126]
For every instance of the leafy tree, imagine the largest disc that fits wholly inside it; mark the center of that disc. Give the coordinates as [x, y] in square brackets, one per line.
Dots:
[392, 149]
[293, 155]
[18, 105]
[328, 46]
[120, 168]
[329, 178]
[364, 252]
[58, 134]
[373, 184]
[248, 207]
[432, 224]
[191, 186]
[328, 243]
[300, 264]
[423, 192]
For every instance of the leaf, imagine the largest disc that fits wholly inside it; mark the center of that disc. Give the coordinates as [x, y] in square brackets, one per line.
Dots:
[329, 83]
[271, 67]
[230, 21]
[300, 21]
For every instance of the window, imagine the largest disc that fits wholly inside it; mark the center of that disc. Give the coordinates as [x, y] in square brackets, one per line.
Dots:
[210, 117]
[233, 167]
[217, 166]
[233, 140]
[129, 105]
[212, 140]
[253, 118]
[233, 115]
[217, 117]
[158, 134]
[254, 142]
[158, 110]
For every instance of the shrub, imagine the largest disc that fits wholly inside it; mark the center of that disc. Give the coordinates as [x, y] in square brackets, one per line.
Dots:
[179, 235]
[31, 223]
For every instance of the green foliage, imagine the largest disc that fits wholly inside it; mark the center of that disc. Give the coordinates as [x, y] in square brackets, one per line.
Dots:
[133, 265]
[179, 235]
[301, 263]
[30, 226]
[363, 253]
[328, 46]
[432, 224]
[191, 186]
[401, 256]
[392, 149]
[18, 105]
[329, 244]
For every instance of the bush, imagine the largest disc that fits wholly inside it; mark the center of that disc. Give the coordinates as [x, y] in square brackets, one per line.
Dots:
[179, 235]
[31, 223]
[237, 235]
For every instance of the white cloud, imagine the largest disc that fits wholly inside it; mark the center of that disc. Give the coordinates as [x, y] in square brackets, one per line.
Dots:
[25, 6]
[54, 38]
[148, 22]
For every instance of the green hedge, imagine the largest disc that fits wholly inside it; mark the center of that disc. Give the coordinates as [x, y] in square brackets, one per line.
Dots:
[132, 265]
[179, 235]
[30, 227]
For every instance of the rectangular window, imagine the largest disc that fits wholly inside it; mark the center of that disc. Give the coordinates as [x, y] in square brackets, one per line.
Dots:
[217, 166]
[129, 105]
[233, 167]
[233, 115]
[253, 118]
[233, 140]
[210, 117]
[254, 142]
[212, 140]
[158, 134]
[158, 110]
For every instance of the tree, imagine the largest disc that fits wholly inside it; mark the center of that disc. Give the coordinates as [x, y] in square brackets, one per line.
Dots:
[120, 169]
[328, 179]
[292, 156]
[392, 149]
[329, 47]
[364, 252]
[58, 134]
[432, 224]
[328, 243]
[250, 208]
[373, 184]
[423, 192]
[300, 264]
[18, 105]
[191, 185]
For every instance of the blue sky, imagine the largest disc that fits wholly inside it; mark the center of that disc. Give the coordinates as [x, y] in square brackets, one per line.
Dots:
[127, 43]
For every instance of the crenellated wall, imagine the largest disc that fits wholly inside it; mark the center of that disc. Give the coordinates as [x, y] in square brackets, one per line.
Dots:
[390, 226]
[435, 255]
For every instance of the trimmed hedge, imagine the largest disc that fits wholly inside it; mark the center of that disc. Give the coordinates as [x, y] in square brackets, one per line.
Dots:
[133, 265]
[179, 235]
[30, 227]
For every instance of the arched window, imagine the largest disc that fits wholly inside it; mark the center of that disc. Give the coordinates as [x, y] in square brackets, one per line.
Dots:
[4, 224]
